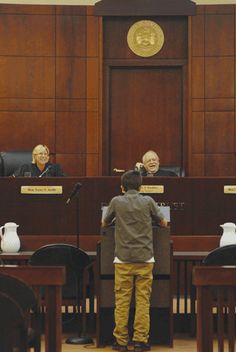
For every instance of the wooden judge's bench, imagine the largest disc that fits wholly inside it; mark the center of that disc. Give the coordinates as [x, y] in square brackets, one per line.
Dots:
[198, 207]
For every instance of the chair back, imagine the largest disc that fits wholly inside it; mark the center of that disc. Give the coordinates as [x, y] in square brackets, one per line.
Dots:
[21, 292]
[225, 255]
[71, 257]
[25, 297]
[12, 160]
[13, 325]
[178, 170]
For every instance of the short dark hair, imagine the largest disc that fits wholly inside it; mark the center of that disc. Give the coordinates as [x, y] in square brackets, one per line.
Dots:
[131, 179]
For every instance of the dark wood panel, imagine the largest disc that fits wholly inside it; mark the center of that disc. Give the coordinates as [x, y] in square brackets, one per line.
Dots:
[220, 164]
[216, 104]
[70, 77]
[92, 89]
[12, 104]
[33, 242]
[115, 32]
[203, 243]
[219, 77]
[71, 10]
[27, 77]
[198, 84]
[198, 165]
[71, 35]
[198, 104]
[70, 105]
[92, 140]
[219, 9]
[26, 35]
[145, 113]
[198, 140]
[71, 132]
[211, 206]
[92, 36]
[98, 190]
[197, 35]
[38, 214]
[198, 207]
[73, 164]
[213, 90]
[224, 45]
[27, 9]
[218, 132]
[92, 164]
[23, 130]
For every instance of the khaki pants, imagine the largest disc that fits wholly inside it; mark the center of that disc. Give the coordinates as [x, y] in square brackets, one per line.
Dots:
[129, 276]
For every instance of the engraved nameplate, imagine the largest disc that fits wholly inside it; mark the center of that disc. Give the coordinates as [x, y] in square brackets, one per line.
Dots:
[41, 189]
[230, 189]
[152, 189]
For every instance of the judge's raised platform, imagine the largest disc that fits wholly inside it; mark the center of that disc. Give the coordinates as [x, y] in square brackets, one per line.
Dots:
[40, 208]
[198, 206]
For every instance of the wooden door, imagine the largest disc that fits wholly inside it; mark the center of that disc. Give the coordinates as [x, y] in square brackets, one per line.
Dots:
[145, 111]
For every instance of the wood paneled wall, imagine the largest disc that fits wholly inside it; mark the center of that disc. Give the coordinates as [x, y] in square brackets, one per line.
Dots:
[49, 83]
[212, 91]
[51, 86]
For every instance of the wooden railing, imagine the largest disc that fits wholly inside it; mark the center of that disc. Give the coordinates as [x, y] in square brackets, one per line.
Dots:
[216, 303]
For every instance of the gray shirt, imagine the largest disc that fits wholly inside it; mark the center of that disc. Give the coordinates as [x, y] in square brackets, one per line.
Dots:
[133, 215]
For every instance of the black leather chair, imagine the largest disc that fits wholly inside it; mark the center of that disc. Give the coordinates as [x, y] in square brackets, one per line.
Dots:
[26, 299]
[225, 255]
[12, 160]
[79, 278]
[13, 325]
[178, 170]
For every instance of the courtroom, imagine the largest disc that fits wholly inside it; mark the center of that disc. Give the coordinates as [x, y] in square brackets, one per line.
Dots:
[118, 175]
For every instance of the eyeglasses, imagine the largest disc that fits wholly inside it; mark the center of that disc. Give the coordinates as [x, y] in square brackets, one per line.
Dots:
[42, 154]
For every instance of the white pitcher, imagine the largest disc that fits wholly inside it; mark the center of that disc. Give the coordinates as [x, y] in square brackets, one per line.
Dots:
[229, 234]
[10, 241]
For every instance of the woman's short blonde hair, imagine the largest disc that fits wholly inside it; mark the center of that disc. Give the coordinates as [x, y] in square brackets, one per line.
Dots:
[38, 149]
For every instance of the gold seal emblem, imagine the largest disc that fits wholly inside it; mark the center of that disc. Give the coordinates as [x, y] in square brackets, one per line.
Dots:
[145, 38]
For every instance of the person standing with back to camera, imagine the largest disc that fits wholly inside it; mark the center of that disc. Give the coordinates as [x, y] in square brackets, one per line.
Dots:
[133, 259]
[40, 166]
[150, 165]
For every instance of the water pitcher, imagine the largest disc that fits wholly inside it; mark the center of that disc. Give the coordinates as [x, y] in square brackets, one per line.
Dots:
[10, 241]
[229, 235]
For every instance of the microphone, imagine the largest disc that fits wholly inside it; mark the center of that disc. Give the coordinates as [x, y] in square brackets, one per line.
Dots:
[74, 191]
[45, 171]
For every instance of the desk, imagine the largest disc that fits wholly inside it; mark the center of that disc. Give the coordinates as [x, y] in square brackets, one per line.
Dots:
[211, 282]
[52, 278]
[198, 207]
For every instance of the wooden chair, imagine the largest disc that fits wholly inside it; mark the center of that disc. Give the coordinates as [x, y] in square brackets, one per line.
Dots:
[225, 255]
[25, 297]
[79, 279]
[13, 326]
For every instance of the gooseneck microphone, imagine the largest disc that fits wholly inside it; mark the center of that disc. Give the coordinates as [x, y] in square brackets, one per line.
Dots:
[45, 171]
[74, 191]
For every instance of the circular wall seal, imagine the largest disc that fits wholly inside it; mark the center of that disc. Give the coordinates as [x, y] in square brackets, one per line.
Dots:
[145, 38]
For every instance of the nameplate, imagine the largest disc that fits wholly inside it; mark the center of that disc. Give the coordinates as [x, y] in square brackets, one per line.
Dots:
[152, 189]
[41, 190]
[230, 189]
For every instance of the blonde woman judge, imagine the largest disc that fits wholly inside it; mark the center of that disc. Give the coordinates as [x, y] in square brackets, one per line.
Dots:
[40, 166]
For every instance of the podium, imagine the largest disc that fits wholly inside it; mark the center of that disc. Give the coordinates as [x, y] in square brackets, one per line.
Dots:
[161, 312]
